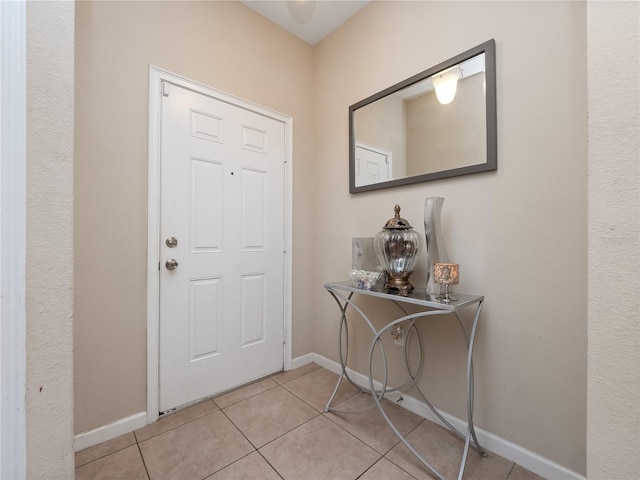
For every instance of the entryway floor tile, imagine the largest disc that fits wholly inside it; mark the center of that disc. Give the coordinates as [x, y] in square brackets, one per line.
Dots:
[276, 428]
[175, 419]
[267, 416]
[443, 451]
[315, 388]
[369, 425]
[245, 392]
[105, 448]
[319, 449]
[123, 464]
[251, 467]
[194, 450]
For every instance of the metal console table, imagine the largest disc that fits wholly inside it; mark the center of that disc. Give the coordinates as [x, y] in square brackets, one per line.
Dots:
[343, 293]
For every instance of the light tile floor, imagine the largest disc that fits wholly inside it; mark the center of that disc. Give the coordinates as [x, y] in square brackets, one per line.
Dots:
[276, 428]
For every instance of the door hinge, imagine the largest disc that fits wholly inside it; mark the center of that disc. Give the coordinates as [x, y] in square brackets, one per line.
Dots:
[165, 89]
[284, 336]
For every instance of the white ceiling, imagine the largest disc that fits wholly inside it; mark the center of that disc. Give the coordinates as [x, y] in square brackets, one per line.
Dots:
[327, 15]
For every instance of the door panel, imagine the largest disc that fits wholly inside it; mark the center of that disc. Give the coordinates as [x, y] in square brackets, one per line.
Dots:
[372, 165]
[206, 189]
[204, 318]
[222, 197]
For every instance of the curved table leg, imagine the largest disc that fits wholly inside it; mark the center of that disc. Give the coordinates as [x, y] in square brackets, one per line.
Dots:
[343, 303]
[470, 438]
[377, 398]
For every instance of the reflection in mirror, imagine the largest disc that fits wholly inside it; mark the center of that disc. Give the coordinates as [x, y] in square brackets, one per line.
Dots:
[413, 132]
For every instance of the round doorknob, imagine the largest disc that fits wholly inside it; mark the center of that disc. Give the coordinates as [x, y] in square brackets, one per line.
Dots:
[171, 264]
[171, 242]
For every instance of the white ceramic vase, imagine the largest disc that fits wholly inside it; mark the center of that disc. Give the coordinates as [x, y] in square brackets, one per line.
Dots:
[436, 250]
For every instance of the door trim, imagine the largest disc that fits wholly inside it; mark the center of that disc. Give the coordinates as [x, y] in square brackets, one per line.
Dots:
[156, 77]
[381, 151]
[13, 135]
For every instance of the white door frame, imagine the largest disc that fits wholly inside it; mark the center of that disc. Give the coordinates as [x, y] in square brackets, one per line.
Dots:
[158, 75]
[381, 151]
[13, 128]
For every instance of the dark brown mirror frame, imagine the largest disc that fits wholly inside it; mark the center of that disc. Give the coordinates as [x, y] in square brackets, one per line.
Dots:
[488, 48]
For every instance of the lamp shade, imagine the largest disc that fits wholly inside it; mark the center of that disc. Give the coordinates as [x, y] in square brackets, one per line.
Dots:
[445, 84]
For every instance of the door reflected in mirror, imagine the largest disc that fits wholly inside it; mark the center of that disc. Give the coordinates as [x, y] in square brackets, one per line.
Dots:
[412, 132]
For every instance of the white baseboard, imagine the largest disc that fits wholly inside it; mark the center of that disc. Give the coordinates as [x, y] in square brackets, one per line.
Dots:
[301, 361]
[107, 432]
[526, 458]
[139, 420]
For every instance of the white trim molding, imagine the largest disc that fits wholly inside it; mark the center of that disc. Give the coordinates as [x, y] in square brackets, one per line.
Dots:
[109, 432]
[156, 77]
[13, 108]
[525, 458]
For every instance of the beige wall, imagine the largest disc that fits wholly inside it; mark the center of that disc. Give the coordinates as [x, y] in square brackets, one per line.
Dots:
[224, 45]
[504, 228]
[613, 421]
[519, 234]
[49, 242]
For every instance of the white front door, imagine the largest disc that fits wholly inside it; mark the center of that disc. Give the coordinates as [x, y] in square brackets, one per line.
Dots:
[222, 237]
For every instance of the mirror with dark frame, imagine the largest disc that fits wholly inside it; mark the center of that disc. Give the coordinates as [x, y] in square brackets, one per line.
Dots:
[439, 123]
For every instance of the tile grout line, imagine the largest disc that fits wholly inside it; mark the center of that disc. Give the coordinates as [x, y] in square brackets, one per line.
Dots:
[177, 426]
[220, 409]
[378, 461]
[269, 463]
[307, 403]
[382, 455]
[289, 431]
[255, 449]
[276, 384]
[144, 464]
[232, 463]
[135, 441]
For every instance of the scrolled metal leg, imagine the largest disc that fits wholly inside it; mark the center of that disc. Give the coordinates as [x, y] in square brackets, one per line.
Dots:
[346, 302]
[378, 392]
[342, 354]
[470, 380]
[377, 399]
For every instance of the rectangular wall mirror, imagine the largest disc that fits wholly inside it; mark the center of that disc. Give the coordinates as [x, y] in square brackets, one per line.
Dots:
[439, 123]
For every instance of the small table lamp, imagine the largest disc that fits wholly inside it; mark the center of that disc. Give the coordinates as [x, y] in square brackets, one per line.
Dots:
[448, 274]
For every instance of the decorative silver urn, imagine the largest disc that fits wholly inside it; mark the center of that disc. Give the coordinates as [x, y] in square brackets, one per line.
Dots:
[397, 246]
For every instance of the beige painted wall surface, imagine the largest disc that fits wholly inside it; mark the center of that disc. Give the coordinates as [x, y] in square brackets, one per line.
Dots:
[613, 443]
[49, 242]
[224, 45]
[519, 234]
